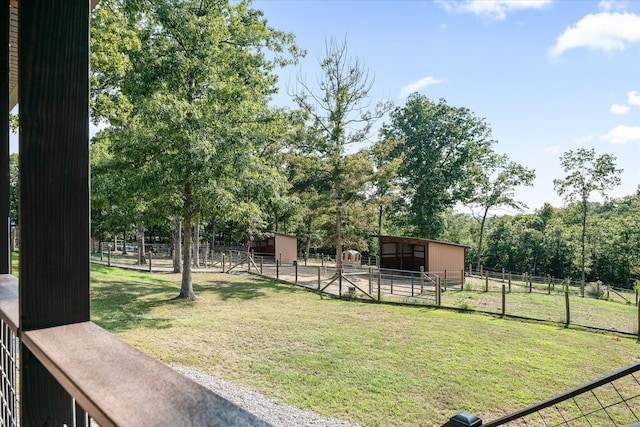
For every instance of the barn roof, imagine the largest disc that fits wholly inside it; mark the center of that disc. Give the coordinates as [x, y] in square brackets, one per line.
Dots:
[414, 240]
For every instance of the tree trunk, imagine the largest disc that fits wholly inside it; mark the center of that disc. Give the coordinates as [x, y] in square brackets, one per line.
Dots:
[307, 241]
[583, 238]
[276, 220]
[213, 236]
[338, 225]
[177, 245]
[186, 290]
[246, 247]
[196, 244]
[484, 218]
[140, 238]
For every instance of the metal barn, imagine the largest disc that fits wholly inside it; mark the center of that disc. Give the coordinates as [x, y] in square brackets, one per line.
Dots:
[411, 253]
[283, 247]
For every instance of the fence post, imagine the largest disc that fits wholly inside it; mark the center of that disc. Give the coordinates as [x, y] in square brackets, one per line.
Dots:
[109, 258]
[421, 279]
[566, 303]
[486, 282]
[280, 258]
[509, 282]
[101, 251]
[462, 279]
[503, 275]
[438, 292]
[296, 268]
[277, 269]
[370, 278]
[549, 284]
[261, 263]
[391, 282]
[318, 278]
[412, 292]
[222, 261]
[530, 282]
[379, 280]
[149, 261]
[445, 280]
[504, 300]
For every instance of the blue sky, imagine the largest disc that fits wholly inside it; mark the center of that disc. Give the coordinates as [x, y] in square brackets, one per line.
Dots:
[548, 76]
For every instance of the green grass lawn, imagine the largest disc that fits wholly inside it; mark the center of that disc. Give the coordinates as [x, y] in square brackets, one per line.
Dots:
[374, 364]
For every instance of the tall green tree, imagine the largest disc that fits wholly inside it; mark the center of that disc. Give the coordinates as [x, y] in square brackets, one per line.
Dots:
[495, 184]
[586, 173]
[439, 145]
[199, 88]
[339, 116]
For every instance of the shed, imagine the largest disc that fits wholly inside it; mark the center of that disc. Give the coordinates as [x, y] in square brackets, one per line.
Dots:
[351, 258]
[278, 245]
[411, 253]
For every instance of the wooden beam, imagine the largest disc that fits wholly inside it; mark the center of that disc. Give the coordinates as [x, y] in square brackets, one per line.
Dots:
[54, 162]
[53, 80]
[121, 386]
[5, 195]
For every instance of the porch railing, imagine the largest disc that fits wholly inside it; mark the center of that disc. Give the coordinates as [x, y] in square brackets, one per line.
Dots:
[613, 400]
[105, 381]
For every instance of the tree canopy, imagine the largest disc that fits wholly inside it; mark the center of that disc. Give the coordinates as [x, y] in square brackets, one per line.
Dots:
[439, 146]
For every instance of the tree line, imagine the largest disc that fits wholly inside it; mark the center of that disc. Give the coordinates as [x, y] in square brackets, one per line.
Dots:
[195, 149]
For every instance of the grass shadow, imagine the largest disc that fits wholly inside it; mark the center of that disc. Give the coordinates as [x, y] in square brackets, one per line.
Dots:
[239, 289]
[122, 300]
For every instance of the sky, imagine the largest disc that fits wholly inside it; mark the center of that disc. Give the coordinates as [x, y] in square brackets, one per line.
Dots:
[547, 76]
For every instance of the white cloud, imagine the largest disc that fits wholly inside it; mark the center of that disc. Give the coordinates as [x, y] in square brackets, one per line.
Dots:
[633, 97]
[619, 110]
[416, 86]
[603, 31]
[609, 5]
[622, 134]
[554, 149]
[493, 9]
[583, 139]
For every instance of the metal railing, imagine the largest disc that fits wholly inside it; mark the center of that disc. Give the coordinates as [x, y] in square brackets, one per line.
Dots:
[95, 379]
[9, 402]
[613, 400]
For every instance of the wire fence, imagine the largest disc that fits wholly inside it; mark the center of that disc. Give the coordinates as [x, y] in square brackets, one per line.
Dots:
[613, 400]
[502, 294]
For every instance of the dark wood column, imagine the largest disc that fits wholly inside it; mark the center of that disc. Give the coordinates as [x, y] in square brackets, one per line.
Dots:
[54, 188]
[54, 162]
[5, 255]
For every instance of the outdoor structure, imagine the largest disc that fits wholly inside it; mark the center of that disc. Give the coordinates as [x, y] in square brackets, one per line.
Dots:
[69, 369]
[283, 247]
[411, 253]
[351, 259]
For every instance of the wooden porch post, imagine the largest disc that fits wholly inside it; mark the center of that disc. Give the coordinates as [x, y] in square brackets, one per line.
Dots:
[5, 195]
[54, 188]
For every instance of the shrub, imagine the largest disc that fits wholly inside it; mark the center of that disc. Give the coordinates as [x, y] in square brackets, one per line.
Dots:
[595, 290]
